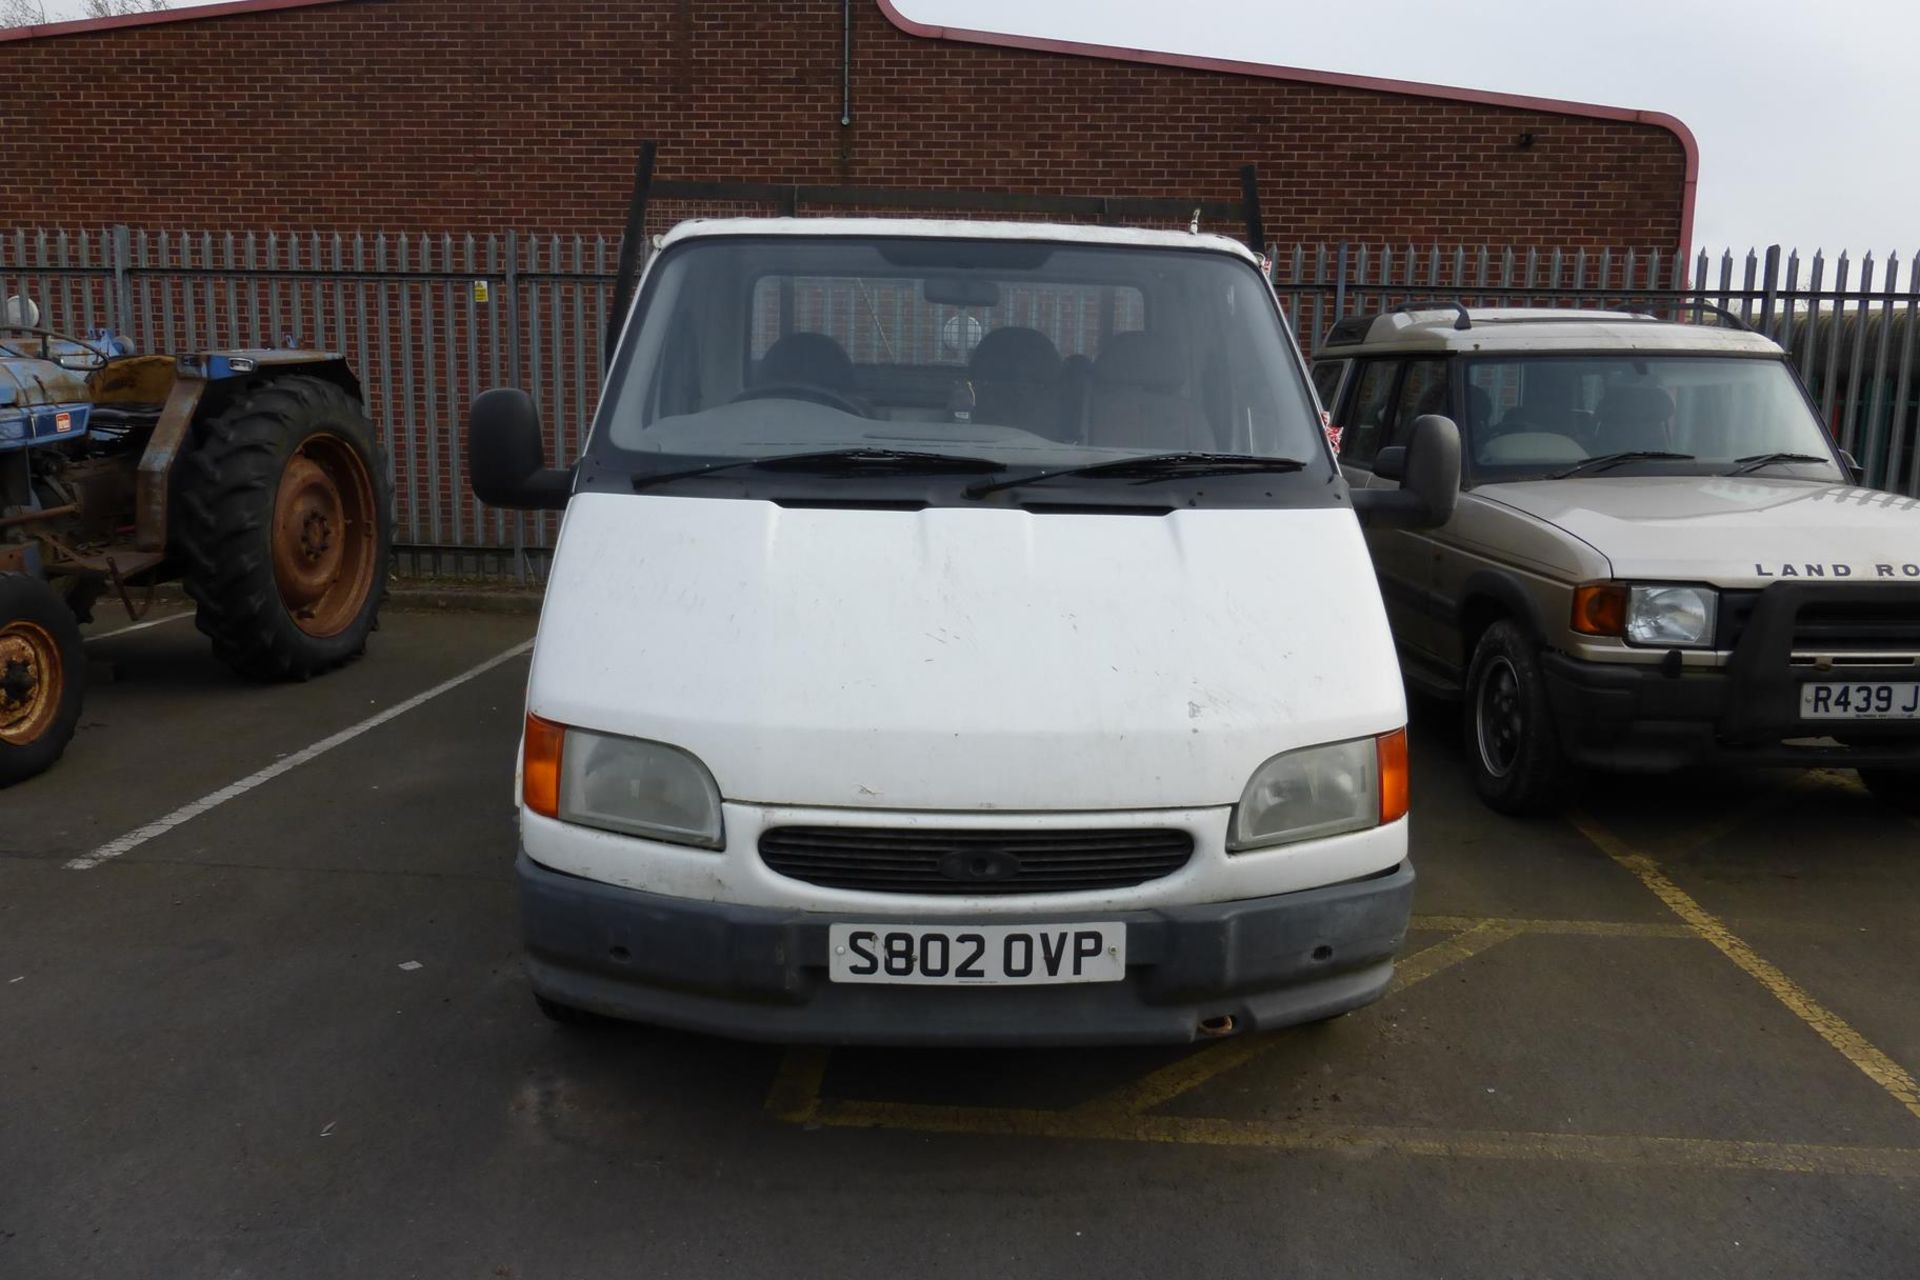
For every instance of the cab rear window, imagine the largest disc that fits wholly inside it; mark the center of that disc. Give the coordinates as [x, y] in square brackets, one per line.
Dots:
[892, 321]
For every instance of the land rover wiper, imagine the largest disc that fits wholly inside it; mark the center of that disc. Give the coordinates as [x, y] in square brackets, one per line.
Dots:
[1605, 460]
[1756, 461]
[1152, 466]
[837, 462]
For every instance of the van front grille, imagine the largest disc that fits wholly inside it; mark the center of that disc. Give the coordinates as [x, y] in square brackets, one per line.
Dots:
[888, 860]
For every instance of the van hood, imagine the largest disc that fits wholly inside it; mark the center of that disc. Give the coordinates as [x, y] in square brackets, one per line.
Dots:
[1731, 531]
[965, 659]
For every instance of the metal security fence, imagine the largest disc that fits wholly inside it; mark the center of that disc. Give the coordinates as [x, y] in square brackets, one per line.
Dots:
[429, 321]
[1849, 326]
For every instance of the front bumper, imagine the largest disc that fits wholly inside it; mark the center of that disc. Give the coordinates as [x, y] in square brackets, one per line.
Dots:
[1645, 718]
[759, 973]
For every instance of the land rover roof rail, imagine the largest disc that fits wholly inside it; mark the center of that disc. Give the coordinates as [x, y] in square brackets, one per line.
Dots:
[1464, 318]
[1352, 330]
[1731, 319]
[1355, 329]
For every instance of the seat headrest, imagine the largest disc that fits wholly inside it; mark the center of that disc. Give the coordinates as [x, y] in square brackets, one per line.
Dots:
[1015, 354]
[1140, 359]
[1479, 407]
[1635, 402]
[812, 359]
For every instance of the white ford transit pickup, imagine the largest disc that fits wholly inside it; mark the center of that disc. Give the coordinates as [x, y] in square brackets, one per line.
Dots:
[959, 633]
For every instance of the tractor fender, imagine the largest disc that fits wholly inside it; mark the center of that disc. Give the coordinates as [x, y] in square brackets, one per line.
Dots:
[205, 384]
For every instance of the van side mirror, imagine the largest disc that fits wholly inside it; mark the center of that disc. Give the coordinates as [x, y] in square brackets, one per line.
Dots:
[1391, 462]
[1430, 480]
[506, 460]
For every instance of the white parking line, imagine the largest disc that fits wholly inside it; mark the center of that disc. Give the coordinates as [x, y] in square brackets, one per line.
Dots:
[186, 813]
[141, 626]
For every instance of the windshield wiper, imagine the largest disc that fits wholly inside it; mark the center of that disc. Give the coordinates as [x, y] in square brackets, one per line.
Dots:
[1754, 462]
[841, 461]
[1148, 467]
[1605, 460]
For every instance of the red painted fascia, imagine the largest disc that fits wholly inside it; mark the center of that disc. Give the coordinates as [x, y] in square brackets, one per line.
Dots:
[1689, 145]
[84, 26]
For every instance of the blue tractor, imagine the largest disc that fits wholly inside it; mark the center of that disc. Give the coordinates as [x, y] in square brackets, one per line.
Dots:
[254, 477]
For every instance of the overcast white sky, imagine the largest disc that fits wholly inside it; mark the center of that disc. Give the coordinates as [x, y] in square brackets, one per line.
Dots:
[1806, 113]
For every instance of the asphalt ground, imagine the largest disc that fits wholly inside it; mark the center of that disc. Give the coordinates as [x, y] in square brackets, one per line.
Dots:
[284, 1032]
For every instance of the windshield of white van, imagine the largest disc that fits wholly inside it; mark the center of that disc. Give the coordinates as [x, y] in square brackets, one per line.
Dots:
[1606, 415]
[859, 358]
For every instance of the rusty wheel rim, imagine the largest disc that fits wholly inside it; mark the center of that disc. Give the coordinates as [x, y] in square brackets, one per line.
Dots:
[31, 682]
[324, 535]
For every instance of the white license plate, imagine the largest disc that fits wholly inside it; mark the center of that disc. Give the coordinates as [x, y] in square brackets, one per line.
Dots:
[969, 955]
[1873, 700]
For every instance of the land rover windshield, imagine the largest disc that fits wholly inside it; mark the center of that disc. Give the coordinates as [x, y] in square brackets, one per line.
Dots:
[1551, 416]
[957, 370]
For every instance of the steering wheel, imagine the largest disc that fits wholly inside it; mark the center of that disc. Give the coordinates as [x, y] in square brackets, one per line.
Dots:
[102, 358]
[806, 391]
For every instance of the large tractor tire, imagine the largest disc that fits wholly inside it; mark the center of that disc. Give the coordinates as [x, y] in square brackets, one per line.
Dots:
[283, 520]
[43, 673]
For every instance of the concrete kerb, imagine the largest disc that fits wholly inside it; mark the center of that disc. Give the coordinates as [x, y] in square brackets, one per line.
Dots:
[461, 597]
[412, 594]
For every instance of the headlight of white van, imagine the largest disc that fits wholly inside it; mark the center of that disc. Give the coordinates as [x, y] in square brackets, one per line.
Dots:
[1672, 617]
[1312, 792]
[638, 788]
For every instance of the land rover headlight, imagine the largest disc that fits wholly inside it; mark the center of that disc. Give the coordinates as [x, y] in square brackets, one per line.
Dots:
[1671, 617]
[1322, 791]
[629, 785]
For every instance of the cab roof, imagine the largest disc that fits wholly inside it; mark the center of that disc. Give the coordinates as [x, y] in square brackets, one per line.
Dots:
[958, 229]
[1456, 328]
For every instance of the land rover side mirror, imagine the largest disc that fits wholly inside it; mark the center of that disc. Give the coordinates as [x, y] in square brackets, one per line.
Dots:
[1428, 469]
[506, 461]
[1391, 462]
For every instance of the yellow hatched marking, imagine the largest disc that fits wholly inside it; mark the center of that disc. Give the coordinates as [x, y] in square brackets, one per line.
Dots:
[1695, 1153]
[1558, 928]
[1441, 956]
[1847, 780]
[1189, 1073]
[1174, 1079]
[1830, 1026]
[1714, 832]
[1796, 786]
[795, 1095]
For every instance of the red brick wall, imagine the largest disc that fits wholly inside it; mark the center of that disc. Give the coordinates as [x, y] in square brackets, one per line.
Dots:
[487, 114]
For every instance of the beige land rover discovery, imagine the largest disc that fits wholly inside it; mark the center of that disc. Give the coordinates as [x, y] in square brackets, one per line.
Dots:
[1659, 557]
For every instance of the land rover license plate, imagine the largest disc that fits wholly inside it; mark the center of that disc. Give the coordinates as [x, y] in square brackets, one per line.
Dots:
[1869, 700]
[971, 955]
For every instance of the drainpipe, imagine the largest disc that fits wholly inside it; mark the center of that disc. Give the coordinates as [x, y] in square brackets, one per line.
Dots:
[846, 63]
